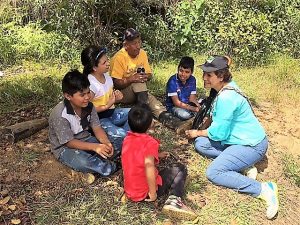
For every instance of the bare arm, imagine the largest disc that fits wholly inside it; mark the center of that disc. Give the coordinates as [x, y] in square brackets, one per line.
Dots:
[111, 101]
[101, 149]
[151, 177]
[100, 134]
[182, 105]
[193, 98]
[134, 78]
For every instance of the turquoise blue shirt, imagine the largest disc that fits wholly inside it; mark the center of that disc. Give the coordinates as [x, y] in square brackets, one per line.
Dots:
[234, 123]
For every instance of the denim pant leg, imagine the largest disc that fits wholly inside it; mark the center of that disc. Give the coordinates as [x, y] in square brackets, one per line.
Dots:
[182, 114]
[225, 169]
[120, 118]
[209, 148]
[114, 133]
[87, 161]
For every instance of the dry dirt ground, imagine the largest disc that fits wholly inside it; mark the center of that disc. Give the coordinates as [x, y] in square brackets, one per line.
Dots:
[29, 167]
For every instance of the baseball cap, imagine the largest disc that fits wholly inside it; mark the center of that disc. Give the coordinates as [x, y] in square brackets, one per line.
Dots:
[130, 34]
[214, 63]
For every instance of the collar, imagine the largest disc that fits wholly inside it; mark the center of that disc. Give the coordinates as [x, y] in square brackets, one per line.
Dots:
[86, 111]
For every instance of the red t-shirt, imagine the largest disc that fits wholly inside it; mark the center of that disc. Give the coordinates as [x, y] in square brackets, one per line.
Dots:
[136, 147]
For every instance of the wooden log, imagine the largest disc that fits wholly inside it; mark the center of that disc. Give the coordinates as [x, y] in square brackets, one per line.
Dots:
[19, 131]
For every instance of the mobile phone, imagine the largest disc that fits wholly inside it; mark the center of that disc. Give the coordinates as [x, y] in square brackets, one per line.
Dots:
[140, 70]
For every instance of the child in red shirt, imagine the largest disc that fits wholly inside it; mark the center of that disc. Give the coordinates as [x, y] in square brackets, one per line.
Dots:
[142, 180]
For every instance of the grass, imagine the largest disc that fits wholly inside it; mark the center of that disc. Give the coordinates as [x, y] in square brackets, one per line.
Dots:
[292, 168]
[39, 84]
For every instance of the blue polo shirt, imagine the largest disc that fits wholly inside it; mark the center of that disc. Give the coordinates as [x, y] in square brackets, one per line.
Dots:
[183, 91]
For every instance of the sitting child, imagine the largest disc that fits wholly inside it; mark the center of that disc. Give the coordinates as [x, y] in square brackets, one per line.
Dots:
[142, 181]
[113, 120]
[69, 121]
[181, 91]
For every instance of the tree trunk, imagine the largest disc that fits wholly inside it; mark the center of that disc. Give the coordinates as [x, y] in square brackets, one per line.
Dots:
[22, 130]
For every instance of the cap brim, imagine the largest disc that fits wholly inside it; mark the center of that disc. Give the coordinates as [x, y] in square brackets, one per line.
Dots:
[208, 68]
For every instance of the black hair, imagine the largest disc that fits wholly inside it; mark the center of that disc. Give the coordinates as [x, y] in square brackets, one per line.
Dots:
[140, 118]
[74, 81]
[90, 57]
[187, 62]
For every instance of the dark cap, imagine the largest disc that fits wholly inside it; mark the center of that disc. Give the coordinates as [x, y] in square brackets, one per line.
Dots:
[215, 63]
[131, 34]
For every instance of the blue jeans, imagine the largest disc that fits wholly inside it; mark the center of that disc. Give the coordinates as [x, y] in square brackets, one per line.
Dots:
[88, 161]
[229, 161]
[182, 114]
[116, 127]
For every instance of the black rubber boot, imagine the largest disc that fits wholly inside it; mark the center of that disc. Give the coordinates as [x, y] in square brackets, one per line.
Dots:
[169, 120]
[142, 98]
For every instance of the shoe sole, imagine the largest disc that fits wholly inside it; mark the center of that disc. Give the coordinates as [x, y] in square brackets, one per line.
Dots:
[178, 214]
[275, 189]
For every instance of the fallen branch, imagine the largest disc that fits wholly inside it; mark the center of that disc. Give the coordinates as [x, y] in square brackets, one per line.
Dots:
[19, 131]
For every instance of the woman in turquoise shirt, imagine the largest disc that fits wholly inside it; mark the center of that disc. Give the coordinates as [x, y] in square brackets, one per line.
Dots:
[235, 139]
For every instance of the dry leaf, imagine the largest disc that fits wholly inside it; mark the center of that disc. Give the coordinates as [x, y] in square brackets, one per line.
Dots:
[15, 221]
[5, 200]
[12, 207]
[22, 199]
[124, 199]
[4, 193]
[168, 222]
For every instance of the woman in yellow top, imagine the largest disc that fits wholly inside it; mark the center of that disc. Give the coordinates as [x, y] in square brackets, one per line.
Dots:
[113, 120]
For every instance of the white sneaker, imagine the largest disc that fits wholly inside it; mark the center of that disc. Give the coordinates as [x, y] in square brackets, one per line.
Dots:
[269, 193]
[174, 207]
[251, 172]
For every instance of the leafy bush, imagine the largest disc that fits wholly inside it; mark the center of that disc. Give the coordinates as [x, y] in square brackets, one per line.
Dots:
[250, 31]
[247, 30]
[31, 42]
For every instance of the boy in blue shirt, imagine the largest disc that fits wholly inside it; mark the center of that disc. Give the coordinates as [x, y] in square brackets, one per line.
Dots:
[181, 98]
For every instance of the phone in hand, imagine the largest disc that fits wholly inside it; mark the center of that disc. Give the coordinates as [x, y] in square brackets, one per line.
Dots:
[140, 70]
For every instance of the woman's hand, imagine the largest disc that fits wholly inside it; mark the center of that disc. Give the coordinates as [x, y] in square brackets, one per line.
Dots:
[192, 133]
[118, 95]
[111, 100]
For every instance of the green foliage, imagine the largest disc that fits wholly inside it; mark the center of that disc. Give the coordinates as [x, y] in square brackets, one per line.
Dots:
[32, 42]
[247, 30]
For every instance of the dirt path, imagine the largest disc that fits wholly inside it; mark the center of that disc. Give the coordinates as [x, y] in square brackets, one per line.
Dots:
[29, 166]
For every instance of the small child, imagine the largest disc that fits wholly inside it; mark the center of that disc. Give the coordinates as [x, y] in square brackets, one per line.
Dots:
[142, 181]
[181, 98]
[69, 121]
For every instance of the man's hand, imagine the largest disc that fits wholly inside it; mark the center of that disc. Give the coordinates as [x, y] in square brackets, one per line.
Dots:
[104, 150]
[152, 197]
[138, 78]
